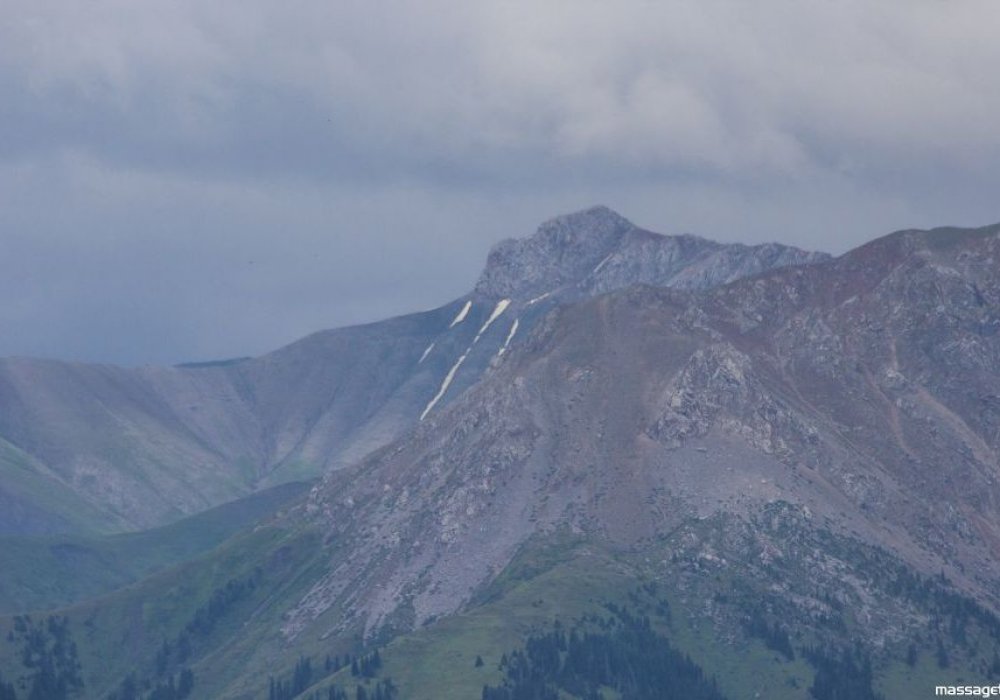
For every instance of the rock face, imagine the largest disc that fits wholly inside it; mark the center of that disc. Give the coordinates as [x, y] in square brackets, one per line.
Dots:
[862, 394]
[596, 251]
[136, 447]
[564, 251]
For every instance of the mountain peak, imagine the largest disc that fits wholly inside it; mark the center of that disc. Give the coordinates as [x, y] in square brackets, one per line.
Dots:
[597, 250]
[597, 224]
[562, 250]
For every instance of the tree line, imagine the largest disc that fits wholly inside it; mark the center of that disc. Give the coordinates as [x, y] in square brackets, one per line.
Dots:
[363, 666]
[622, 652]
[49, 656]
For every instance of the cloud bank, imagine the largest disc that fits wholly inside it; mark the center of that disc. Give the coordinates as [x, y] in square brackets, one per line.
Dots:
[185, 180]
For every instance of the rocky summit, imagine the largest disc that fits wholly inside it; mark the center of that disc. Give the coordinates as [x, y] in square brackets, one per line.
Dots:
[596, 251]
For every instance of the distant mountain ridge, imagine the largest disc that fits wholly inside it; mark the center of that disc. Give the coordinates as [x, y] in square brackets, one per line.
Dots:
[139, 447]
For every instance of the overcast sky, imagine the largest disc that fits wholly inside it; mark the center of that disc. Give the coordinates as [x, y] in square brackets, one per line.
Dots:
[187, 180]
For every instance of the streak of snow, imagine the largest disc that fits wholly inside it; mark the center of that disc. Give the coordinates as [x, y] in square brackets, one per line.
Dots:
[499, 309]
[461, 314]
[444, 385]
[538, 299]
[602, 263]
[510, 336]
[426, 353]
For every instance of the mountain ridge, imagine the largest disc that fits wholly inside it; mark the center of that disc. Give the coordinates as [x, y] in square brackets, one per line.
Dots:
[788, 373]
[599, 250]
[150, 444]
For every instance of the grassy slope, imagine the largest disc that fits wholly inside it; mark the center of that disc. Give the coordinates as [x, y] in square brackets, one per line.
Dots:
[570, 580]
[440, 662]
[123, 631]
[47, 504]
[560, 579]
[43, 572]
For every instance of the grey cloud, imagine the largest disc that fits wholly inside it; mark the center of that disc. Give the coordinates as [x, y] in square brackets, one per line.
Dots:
[366, 156]
[781, 86]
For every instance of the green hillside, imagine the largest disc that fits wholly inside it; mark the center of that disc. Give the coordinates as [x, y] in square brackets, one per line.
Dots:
[33, 500]
[43, 572]
[219, 618]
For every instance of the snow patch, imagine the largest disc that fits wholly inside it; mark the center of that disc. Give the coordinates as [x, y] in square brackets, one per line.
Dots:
[499, 309]
[461, 314]
[510, 336]
[444, 385]
[538, 299]
[602, 263]
[426, 353]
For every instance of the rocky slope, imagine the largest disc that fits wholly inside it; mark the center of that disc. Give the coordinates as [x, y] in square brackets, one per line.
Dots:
[109, 448]
[861, 394]
[597, 251]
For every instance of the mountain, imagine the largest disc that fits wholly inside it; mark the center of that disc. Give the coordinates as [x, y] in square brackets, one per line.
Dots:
[863, 393]
[104, 448]
[784, 486]
[809, 456]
